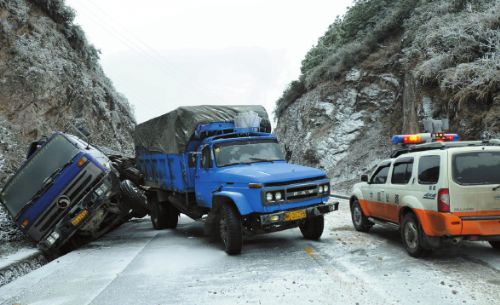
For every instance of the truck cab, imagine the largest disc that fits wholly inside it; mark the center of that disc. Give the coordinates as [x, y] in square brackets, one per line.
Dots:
[237, 180]
[65, 189]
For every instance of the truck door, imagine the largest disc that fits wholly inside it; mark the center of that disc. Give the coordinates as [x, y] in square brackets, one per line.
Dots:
[204, 184]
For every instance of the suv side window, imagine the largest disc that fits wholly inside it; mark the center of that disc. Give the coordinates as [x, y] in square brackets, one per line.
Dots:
[428, 169]
[402, 171]
[206, 157]
[380, 176]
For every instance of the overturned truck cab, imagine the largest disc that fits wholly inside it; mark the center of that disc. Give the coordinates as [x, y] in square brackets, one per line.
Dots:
[68, 192]
[222, 164]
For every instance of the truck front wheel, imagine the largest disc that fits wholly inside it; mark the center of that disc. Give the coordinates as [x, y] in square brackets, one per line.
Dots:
[163, 215]
[312, 228]
[230, 229]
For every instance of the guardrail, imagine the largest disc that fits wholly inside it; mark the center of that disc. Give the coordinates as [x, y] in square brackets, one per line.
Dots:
[340, 196]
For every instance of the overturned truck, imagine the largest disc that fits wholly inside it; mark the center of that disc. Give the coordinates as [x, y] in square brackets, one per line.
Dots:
[68, 192]
[222, 164]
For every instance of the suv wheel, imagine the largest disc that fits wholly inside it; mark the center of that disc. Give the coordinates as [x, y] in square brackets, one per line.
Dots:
[312, 228]
[230, 230]
[163, 215]
[359, 220]
[495, 244]
[412, 236]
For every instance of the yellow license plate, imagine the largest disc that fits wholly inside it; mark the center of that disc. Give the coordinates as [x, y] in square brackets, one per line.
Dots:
[79, 218]
[294, 215]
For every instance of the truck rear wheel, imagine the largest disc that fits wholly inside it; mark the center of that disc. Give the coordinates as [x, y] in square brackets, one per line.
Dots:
[163, 215]
[413, 236]
[230, 230]
[495, 244]
[312, 228]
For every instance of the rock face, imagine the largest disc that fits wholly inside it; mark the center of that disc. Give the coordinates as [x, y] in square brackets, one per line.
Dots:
[346, 131]
[403, 61]
[50, 80]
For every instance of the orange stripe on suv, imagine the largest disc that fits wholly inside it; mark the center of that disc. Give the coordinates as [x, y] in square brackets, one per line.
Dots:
[439, 224]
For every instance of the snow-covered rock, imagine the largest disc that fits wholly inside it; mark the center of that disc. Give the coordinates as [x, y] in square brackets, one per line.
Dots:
[341, 132]
[50, 79]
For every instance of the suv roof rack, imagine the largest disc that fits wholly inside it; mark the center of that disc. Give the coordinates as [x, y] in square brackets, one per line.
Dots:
[443, 145]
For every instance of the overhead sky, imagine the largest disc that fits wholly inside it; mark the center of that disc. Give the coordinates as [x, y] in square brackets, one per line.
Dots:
[162, 54]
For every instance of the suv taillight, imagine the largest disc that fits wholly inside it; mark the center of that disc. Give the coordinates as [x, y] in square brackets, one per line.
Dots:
[444, 200]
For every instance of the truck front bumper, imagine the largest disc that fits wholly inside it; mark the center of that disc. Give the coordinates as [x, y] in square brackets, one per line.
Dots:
[287, 219]
[283, 217]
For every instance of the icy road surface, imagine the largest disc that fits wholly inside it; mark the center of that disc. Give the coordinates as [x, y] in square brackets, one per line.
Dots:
[138, 265]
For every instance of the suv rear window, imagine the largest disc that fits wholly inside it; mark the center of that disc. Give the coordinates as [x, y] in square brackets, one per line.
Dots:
[428, 169]
[476, 168]
[401, 173]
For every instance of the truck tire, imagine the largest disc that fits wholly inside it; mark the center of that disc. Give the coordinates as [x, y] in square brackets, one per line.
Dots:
[230, 229]
[163, 215]
[359, 220]
[495, 244]
[133, 174]
[133, 198]
[412, 235]
[312, 228]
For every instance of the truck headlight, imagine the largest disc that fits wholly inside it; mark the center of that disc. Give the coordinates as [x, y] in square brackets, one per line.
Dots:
[320, 189]
[52, 238]
[269, 196]
[278, 196]
[326, 188]
[101, 189]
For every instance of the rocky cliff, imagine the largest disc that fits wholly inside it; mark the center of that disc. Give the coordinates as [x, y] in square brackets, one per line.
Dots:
[50, 78]
[383, 68]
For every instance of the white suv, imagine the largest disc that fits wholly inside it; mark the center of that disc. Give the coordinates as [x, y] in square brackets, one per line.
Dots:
[434, 191]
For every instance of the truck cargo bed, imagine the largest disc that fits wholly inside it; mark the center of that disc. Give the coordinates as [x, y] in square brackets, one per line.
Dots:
[169, 172]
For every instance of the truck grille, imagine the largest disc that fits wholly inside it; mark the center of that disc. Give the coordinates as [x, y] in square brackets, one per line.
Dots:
[82, 184]
[283, 183]
[302, 192]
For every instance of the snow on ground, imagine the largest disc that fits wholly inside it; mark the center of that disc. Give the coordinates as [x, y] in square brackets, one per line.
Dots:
[14, 246]
[138, 265]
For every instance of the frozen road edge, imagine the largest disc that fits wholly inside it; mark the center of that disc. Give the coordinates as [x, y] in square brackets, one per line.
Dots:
[19, 264]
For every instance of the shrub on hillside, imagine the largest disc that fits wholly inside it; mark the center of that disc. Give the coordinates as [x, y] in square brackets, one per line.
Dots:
[294, 90]
[438, 36]
[64, 15]
[57, 10]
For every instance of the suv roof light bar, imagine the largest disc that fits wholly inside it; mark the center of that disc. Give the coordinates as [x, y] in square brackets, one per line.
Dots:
[443, 145]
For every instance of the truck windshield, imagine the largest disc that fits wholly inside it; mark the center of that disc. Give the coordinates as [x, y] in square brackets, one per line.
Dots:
[477, 168]
[244, 152]
[35, 173]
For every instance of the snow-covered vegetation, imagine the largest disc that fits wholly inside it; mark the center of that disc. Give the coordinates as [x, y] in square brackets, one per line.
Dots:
[451, 44]
[382, 68]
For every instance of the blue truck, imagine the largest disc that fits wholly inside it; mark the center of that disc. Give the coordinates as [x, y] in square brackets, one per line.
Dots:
[68, 192]
[222, 164]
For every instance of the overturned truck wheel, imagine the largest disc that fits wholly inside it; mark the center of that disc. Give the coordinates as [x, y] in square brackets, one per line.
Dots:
[133, 198]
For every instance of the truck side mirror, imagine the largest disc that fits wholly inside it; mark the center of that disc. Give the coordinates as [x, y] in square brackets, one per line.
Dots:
[364, 178]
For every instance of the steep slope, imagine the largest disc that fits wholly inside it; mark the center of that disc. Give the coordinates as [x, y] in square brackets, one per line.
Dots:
[383, 68]
[50, 79]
